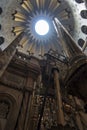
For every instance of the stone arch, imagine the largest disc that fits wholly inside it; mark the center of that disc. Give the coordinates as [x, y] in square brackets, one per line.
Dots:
[8, 110]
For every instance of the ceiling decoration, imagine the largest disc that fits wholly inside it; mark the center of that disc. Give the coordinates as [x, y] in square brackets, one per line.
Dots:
[27, 24]
[21, 16]
[34, 10]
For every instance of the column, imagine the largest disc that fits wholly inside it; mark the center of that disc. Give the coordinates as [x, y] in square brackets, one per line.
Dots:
[60, 114]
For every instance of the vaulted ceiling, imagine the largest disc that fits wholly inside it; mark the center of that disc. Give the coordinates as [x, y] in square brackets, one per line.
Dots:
[18, 16]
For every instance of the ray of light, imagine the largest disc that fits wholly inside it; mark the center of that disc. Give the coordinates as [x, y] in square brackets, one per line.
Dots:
[31, 45]
[30, 5]
[17, 33]
[23, 41]
[33, 50]
[40, 4]
[53, 5]
[25, 5]
[42, 50]
[40, 45]
[64, 15]
[41, 53]
[34, 4]
[47, 2]
[59, 8]
[18, 29]
[19, 17]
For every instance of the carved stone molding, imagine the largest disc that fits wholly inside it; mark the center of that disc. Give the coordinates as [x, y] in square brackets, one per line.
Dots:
[13, 80]
[10, 102]
[7, 55]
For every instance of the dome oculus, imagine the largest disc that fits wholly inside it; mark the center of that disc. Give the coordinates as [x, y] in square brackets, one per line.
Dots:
[42, 27]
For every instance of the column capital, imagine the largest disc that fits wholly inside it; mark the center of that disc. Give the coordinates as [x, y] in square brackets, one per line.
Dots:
[55, 68]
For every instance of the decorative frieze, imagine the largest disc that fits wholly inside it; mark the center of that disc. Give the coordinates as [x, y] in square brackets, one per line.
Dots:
[13, 80]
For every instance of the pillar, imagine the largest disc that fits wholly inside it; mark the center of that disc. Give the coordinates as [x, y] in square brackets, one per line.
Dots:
[60, 114]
